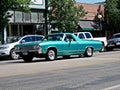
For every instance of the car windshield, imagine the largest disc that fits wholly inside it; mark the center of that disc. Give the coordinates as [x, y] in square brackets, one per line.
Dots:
[12, 39]
[54, 37]
[117, 36]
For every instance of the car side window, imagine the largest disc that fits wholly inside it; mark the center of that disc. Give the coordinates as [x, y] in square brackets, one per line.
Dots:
[27, 39]
[117, 36]
[87, 35]
[33, 38]
[81, 36]
[69, 37]
[36, 38]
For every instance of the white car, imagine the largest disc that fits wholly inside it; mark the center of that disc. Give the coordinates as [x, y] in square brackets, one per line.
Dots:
[7, 49]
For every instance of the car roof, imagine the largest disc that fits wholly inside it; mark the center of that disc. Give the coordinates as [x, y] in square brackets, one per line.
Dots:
[33, 35]
[59, 33]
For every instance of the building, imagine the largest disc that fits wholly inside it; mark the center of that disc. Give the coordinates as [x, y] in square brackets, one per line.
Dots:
[94, 19]
[22, 23]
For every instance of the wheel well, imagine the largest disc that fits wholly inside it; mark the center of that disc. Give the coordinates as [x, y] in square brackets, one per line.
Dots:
[89, 47]
[53, 48]
[103, 43]
[10, 51]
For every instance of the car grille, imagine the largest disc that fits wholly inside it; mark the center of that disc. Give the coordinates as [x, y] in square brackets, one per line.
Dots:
[27, 48]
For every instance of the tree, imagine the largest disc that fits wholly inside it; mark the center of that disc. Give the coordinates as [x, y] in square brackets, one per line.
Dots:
[6, 5]
[112, 13]
[64, 15]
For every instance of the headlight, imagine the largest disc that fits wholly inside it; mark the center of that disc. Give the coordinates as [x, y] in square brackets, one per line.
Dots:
[36, 47]
[4, 47]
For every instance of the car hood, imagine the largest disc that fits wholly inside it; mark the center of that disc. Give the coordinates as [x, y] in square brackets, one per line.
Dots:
[38, 43]
[9, 45]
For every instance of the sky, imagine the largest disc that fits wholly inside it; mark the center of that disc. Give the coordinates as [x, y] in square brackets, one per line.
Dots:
[89, 1]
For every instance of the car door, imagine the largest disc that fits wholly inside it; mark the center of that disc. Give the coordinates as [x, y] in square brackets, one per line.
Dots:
[70, 45]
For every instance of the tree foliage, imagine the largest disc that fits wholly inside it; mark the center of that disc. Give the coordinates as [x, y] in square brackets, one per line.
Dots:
[6, 5]
[64, 15]
[112, 12]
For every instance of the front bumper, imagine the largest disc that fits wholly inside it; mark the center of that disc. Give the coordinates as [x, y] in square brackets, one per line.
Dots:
[28, 52]
[114, 45]
[4, 53]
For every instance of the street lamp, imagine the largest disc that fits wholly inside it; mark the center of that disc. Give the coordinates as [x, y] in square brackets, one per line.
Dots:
[100, 24]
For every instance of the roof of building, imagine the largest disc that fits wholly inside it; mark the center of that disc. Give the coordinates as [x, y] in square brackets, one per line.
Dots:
[92, 9]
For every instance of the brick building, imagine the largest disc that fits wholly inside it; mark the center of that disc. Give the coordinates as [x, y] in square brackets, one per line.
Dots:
[91, 22]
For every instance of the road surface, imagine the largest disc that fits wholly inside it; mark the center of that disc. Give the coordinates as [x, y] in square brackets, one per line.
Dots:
[100, 72]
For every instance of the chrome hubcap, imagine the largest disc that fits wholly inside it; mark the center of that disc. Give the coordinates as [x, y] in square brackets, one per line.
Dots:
[14, 55]
[51, 55]
[89, 51]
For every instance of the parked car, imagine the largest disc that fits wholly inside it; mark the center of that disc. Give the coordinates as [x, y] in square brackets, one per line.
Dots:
[88, 36]
[114, 42]
[59, 44]
[6, 50]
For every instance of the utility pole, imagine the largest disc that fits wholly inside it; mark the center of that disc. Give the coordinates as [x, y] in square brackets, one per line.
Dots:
[46, 17]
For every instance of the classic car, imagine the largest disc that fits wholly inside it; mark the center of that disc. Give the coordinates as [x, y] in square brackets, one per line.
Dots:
[57, 44]
[6, 50]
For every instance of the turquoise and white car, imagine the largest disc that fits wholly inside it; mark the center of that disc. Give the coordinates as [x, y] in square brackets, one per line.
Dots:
[59, 44]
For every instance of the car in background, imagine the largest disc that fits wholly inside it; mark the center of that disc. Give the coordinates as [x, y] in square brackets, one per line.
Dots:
[6, 50]
[114, 42]
[57, 44]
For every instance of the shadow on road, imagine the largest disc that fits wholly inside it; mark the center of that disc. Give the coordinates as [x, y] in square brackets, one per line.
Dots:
[36, 60]
[8, 60]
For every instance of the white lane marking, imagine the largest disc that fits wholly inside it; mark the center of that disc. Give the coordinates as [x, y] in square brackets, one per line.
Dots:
[112, 87]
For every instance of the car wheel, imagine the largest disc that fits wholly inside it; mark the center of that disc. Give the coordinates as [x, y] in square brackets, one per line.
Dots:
[27, 58]
[51, 55]
[13, 55]
[88, 52]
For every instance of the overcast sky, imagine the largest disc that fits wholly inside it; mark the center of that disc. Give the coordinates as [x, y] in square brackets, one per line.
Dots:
[89, 1]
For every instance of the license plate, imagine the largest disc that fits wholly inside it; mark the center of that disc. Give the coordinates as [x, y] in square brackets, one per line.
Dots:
[24, 53]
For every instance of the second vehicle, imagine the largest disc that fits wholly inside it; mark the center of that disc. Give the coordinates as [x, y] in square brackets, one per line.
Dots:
[6, 50]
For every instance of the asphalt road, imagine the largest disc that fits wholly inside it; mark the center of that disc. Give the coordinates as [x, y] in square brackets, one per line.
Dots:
[100, 72]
